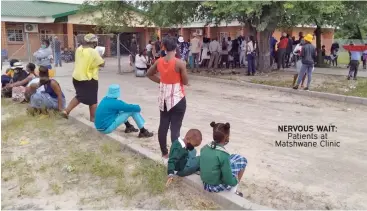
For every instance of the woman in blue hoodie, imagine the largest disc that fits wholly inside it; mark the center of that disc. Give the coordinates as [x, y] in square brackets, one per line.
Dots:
[112, 112]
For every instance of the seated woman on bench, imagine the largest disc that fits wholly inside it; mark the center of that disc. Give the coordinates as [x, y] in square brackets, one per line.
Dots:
[112, 112]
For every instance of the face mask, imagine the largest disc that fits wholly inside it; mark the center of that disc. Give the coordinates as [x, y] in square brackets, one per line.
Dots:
[189, 147]
[43, 46]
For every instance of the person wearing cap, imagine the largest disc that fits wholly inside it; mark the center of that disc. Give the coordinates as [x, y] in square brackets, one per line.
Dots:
[195, 49]
[44, 55]
[85, 76]
[19, 88]
[51, 98]
[113, 112]
[19, 78]
[308, 56]
[183, 48]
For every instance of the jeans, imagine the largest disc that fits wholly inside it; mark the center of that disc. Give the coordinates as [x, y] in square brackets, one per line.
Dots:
[305, 69]
[353, 68]
[195, 57]
[57, 59]
[251, 63]
[243, 58]
[171, 119]
[122, 117]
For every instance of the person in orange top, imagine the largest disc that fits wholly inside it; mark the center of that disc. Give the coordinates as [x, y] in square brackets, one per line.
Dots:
[172, 100]
[282, 50]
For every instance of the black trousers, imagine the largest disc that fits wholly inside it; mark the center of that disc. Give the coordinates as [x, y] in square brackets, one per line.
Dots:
[353, 69]
[171, 119]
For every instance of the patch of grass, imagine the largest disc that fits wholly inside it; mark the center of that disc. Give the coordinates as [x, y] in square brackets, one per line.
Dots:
[56, 188]
[97, 164]
[153, 175]
[126, 188]
[42, 168]
[168, 203]
[360, 90]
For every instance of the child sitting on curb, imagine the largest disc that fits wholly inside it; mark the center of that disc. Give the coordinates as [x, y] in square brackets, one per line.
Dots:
[112, 112]
[219, 170]
[182, 157]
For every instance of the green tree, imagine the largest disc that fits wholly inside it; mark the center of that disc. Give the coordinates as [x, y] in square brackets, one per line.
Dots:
[319, 13]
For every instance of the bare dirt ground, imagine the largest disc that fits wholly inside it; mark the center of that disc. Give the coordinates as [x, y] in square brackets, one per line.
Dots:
[336, 84]
[50, 163]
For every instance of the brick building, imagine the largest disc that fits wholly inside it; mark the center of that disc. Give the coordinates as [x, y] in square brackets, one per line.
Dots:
[25, 24]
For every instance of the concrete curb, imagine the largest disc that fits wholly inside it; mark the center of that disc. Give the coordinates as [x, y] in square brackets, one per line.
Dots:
[226, 200]
[323, 95]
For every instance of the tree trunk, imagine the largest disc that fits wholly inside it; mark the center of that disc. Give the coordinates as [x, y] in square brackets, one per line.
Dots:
[319, 59]
[264, 51]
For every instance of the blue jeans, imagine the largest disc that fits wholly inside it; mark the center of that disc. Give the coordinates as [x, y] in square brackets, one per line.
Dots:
[305, 68]
[122, 118]
[251, 63]
[57, 59]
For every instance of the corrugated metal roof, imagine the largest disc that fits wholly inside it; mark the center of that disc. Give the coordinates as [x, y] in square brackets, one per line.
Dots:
[35, 8]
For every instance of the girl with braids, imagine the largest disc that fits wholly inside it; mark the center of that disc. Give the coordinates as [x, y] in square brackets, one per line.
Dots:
[219, 170]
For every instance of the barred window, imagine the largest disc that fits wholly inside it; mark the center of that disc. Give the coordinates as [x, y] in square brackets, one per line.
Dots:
[46, 35]
[15, 35]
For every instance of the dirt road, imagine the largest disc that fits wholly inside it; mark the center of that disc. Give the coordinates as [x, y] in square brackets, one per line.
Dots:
[278, 177]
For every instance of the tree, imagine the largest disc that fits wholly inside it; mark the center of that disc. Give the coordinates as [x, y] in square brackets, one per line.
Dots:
[319, 13]
[111, 16]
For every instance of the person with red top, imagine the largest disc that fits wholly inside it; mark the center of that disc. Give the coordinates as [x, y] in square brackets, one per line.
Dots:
[282, 50]
[172, 100]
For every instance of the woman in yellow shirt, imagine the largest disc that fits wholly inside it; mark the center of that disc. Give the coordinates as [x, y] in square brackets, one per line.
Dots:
[85, 76]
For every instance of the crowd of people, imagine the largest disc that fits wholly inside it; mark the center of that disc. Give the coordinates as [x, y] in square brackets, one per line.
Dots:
[219, 170]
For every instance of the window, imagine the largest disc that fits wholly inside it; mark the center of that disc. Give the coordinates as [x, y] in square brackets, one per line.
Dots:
[46, 34]
[15, 35]
[223, 35]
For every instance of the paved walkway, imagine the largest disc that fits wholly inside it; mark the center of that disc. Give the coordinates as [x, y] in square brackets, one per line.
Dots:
[282, 178]
[336, 71]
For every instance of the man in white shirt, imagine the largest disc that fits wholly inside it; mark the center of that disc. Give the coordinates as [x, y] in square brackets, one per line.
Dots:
[214, 49]
[149, 48]
[243, 48]
[195, 49]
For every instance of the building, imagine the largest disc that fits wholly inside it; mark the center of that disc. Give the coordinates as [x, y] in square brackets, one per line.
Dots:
[26, 23]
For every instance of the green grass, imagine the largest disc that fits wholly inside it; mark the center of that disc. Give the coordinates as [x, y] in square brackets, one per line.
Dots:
[56, 188]
[280, 82]
[343, 58]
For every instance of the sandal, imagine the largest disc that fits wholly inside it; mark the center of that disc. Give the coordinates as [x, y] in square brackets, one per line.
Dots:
[64, 114]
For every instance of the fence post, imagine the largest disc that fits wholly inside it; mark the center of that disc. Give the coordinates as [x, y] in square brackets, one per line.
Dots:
[28, 48]
[118, 53]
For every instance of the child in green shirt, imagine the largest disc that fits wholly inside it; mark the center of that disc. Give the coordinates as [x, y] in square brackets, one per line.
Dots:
[220, 170]
[182, 157]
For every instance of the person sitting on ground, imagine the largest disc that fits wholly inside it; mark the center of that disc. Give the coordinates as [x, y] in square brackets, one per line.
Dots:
[182, 156]
[219, 170]
[19, 88]
[19, 75]
[52, 98]
[112, 112]
[141, 61]
[6, 78]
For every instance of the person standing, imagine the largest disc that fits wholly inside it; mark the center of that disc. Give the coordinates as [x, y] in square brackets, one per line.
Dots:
[243, 48]
[149, 48]
[205, 56]
[282, 50]
[85, 76]
[183, 48]
[354, 63]
[57, 49]
[214, 49]
[195, 50]
[224, 52]
[251, 48]
[172, 100]
[289, 51]
[308, 56]
[157, 46]
[364, 58]
[44, 55]
[133, 49]
[273, 43]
